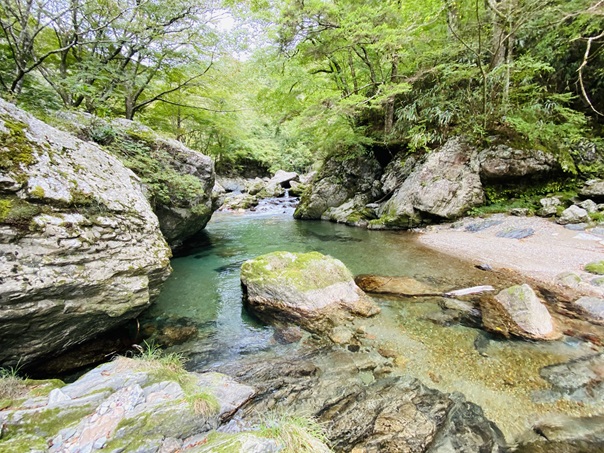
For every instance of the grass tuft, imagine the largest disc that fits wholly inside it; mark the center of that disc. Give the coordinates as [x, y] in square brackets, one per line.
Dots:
[296, 434]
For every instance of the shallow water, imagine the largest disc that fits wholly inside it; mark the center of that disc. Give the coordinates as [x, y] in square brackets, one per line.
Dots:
[500, 376]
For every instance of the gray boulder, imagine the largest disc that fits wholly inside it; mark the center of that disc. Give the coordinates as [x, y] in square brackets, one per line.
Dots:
[589, 205]
[337, 182]
[80, 248]
[312, 290]
[573, 215]
[503, 162]
[445, 186]
[549, 206]
[284, 178]
[517, 311]
[593, 307]
[593, 189]
[124, 405]
[354, 212]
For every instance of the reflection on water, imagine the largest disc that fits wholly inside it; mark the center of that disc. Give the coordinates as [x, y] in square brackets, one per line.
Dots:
[498, 375]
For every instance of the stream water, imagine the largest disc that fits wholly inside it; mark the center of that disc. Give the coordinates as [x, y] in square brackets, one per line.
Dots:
[204, 291]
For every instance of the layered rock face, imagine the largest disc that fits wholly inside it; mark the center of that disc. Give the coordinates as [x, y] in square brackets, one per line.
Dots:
[80, 248]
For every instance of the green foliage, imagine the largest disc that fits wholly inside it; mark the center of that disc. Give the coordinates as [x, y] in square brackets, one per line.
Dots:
[296, 434]
[596, 267]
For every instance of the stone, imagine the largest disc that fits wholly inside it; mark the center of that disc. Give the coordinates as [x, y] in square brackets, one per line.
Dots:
[516, 233]
[502, 162]
[337, 182]
[403, 286]
[549, 206]
[573, 214]
[520, 212]
[314, 291]
[593, 307]
[284, 178]
[482, 225]
[517, 311]
[126, 405]
[297, 188]
[81, 250]
[239, 201]
[254, 186]
[593, 189]
[287, 335]
[341, 335]
[589, 205]
[445, 185]
[569, 279]
[353, 212]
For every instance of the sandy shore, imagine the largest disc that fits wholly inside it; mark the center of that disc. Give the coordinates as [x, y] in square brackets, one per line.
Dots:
[550, 251]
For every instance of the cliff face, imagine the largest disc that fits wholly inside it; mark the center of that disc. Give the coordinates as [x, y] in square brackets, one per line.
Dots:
[80, 247]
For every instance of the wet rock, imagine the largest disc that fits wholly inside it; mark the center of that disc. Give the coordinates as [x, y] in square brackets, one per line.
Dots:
[549, 206]
[574, 214]
[593, 307]
[445, 185]
[564, 434]
[297, 188]
[124, 405]
[459, 311]
[593, 189]
[290, 334]
[81, 251]
[337, 182]
[240, 201]
[518, 311]
[578, 380]
[404, 286]
[516, 233]
[312, 290]
[341, 335]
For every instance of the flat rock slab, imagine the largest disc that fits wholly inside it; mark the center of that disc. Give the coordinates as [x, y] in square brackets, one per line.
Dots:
[480, 226]
[516, 233]
[593, 306]
[404, 286]
[312, 290]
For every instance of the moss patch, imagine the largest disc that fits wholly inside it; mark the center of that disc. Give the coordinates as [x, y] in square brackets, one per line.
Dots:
[17, 212]
[596, 267]
[16, 150]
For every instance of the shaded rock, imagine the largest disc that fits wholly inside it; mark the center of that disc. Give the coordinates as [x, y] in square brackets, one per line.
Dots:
[518, 311]
[254, 186]
[589, 205]
[593, 189]
[459, 311]
[404, 286]
[289, 334]
[502, 162]
[574, 214]
[445, 185]
[549, 206]
[353, 212]
[564, 434]
[337, 182]
[231, 184]
[593, 307]
[123, 405]
[389, 414]
[297, 188]
[80, 248]
[397, 171]
[578, 380]
[520, 212]
[314, 291]
[518, 233]
[271, 190]
[284, 178]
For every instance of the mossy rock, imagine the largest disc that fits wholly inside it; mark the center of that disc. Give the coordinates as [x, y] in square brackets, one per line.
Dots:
[17, 150]
[597, 267]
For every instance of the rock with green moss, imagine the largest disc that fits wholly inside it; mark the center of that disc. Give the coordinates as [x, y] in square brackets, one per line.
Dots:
[312, 290]
[597, 267]
[80, 247]
[354, 212]
[517, 311]
[123, 405]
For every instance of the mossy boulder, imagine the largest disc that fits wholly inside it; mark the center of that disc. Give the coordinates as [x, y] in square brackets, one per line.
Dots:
[518, 312]
[80, 247]
[312, 290]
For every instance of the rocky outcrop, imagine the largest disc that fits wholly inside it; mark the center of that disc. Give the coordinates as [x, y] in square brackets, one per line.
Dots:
[364, 406]
[502, 162]
[593, 189]
[337, 182]
[312, 290]
[445, 185]
[80, 248]
[517, 311]
[124, 405]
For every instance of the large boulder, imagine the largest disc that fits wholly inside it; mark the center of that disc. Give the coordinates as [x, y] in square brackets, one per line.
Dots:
[572, 215]
[124, 405]
[502, 162]
[517, 311]
[312, 290]
[445, 185]
[284, 178]
[337, 182]
[80, 248]
[593, 189]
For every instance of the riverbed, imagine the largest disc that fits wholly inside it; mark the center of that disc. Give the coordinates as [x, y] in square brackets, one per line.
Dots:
[501, 376]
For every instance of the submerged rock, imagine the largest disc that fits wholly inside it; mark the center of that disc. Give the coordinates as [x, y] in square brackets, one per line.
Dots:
[124, 405]
[80, 248]
[312, 290]
[518, 311]
[403, 286]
